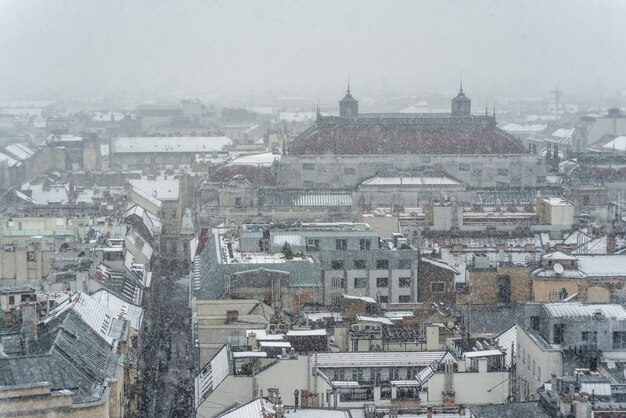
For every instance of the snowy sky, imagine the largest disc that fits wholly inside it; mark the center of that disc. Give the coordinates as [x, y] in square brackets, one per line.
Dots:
[303, 47]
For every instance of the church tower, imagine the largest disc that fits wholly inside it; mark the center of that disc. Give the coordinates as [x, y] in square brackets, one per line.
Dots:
[461, 104]
[348, 106]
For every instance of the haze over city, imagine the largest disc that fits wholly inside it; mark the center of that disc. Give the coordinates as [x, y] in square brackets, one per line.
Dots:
[503, 48]
[312, 209]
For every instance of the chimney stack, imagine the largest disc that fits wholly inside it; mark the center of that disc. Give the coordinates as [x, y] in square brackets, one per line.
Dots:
[29, 324]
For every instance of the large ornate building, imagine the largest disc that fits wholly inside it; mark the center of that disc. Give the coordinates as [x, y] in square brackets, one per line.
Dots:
[342, 152]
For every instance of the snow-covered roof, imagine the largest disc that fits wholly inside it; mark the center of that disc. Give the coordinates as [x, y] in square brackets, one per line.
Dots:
[306, 332]
[580, 310]
[248, 354]
[618, 144]
[315, 316]
[280, 344]
[262, 335]
[411, 181]
[507, 341]
[264, 160]
[440, 264]
[64, 138]
[558, 255]
[11, 162]
[54, 193]
[156, 202]
[516, 128]
[160, 188]
[190, 144]
[381, 359]
[253, 409]
[363, 298]
[120, 308]
[603, 265]
[482, 353]
[19, 151]
[380, 320]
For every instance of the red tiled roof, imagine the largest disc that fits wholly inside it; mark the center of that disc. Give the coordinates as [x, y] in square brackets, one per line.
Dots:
[252, 173]
[350, 139]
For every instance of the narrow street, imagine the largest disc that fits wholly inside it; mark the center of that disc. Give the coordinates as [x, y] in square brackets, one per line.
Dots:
[165, 379]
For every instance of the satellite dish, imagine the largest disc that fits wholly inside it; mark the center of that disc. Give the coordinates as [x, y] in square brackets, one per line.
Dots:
[558, 268]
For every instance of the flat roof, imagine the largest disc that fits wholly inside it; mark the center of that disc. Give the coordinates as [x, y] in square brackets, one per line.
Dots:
[187, 144]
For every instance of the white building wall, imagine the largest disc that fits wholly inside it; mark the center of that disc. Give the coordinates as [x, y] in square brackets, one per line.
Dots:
[470, 388]
[534, 364]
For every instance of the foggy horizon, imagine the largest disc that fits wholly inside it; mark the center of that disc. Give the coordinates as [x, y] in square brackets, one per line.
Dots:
[77, 48]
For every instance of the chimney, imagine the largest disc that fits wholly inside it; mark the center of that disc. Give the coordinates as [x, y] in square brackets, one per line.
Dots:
[232, 316]
[29, 324]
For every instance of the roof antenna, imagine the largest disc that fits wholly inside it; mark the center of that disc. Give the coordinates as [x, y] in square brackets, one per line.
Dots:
[348, 83]
[461, 88]
[494, 108]
[486, 104]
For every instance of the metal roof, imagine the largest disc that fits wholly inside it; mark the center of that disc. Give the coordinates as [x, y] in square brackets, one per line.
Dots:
[579, 310]
[506, 341]
[380, 359]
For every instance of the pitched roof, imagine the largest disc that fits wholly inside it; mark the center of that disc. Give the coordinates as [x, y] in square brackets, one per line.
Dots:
[395, 137]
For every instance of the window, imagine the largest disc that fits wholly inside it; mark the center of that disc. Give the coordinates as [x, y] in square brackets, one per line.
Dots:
[534, 366]
[308, 184]
[174, 211]
[30, 256]
[349, 171]
[385, 392]
[312, 245]
[11, 300]
[360, 282]
[539, 373]
[382, 282]
[619, 339]
[382, 264]
[404, 282]
[394, 373]
[341, 244]
[464, 167]
[589, 337]
[237, 203]
[410, 392]
[559, 334]
[357, 374]
[383, 299]
[360, 264]
[338, 282]
[534, 323]
[365, 244]
[338, 374]
[375, 375]
[308, 166]
[438, 287]
[404, 299]
[336, 264]
[503, 171]
[404, 264]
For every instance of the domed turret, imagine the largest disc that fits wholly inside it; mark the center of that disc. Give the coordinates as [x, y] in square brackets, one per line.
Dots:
[348, 106]
[461, 104]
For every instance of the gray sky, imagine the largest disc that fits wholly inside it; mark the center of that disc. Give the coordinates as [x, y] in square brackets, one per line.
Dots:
[516, 47]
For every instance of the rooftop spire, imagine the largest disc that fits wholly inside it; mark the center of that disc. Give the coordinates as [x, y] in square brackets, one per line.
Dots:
[461, 86]
[348, 83]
